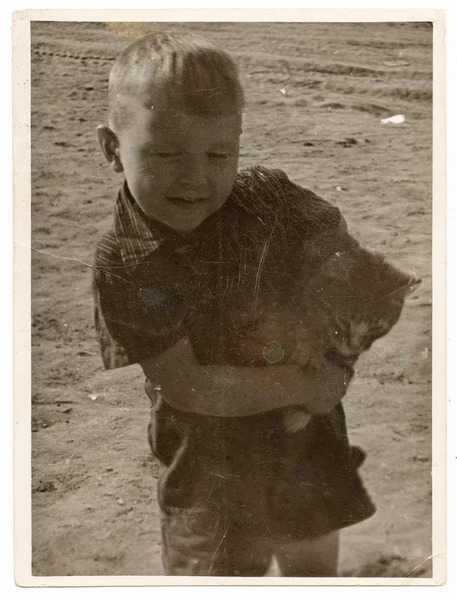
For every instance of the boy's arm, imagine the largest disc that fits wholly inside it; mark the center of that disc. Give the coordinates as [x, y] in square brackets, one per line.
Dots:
[226, 391]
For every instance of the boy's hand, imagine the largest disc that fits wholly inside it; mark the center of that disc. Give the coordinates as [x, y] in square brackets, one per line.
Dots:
[329, 385]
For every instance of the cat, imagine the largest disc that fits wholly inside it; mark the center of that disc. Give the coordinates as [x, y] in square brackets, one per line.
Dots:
[352, 299]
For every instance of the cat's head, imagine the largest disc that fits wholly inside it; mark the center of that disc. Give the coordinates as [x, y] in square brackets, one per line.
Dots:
[363, 296]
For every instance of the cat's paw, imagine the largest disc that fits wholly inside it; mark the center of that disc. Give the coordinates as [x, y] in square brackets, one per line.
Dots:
[295, 420]
[309, 361]
[301, 356]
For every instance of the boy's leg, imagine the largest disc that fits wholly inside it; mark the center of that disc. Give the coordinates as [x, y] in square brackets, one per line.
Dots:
[314, 557]
[198, 541]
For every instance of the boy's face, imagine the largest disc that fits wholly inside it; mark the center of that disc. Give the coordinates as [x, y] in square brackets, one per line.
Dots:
[179, 167]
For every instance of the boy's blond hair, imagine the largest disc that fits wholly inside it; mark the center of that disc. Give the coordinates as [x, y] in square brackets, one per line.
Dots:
[190, 74]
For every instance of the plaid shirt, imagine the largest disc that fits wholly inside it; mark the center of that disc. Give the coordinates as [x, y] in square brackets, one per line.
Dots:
[150, 283]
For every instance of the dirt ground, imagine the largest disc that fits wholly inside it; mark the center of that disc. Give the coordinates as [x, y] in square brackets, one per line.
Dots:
[316, 95]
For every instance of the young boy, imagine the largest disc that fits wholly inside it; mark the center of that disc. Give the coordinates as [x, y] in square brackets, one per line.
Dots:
[190, 245]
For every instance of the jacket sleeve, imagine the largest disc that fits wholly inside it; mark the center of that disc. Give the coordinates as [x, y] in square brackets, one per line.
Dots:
[130, 326]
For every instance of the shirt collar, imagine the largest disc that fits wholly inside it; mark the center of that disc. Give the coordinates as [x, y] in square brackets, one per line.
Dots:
[136, 236]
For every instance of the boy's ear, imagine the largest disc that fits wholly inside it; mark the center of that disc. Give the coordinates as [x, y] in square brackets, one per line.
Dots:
[110, 147]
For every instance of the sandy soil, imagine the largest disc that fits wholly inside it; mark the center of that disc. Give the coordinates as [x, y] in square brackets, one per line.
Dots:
[94, 510]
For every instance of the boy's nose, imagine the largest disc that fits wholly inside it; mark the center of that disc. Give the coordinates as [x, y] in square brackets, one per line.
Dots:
[193, 179]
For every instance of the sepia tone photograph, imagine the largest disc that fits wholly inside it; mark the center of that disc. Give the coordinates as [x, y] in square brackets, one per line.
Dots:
[231, 299]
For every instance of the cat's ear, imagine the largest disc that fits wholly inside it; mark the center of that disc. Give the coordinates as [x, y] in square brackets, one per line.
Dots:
[399, 294]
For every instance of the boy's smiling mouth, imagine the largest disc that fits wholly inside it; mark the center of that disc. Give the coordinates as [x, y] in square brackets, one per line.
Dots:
[186, 201]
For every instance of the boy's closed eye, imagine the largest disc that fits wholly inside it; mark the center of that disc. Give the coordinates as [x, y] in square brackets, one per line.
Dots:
[165, 154]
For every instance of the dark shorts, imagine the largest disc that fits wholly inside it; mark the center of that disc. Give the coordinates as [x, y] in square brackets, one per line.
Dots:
[228, 486]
